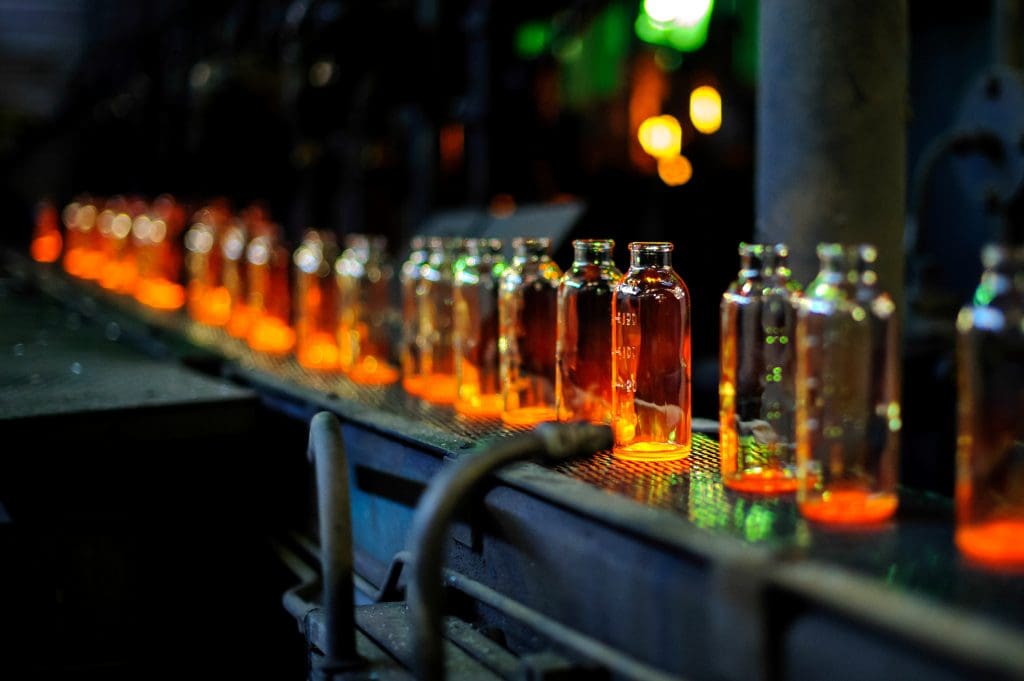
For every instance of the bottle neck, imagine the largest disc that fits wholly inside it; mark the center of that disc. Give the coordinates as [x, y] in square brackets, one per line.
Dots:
[592, 252]
[650, 258]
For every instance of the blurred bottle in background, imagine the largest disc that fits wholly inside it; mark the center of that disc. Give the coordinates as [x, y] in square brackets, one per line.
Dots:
[364, 277]
[477, 362]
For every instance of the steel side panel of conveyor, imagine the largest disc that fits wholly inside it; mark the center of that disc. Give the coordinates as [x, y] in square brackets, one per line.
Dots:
[660, 561]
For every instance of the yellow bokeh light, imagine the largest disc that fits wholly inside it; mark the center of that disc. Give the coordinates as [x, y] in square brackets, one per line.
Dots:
[706, 109]
[675, 170]
[661, 136]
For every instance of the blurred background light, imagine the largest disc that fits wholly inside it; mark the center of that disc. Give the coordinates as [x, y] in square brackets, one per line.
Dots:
[675, 170]
[706, 109]
[661, 136]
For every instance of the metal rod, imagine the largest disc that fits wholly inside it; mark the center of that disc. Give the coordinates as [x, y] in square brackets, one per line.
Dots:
[437, 507]
[328, 455]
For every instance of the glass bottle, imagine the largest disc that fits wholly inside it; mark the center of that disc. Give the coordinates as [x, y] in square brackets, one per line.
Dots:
[528, 321]
[757, 389]
[83, 257]
[435, 333]
[990, 442]
[477, 364]
[118, 272]
[409, 353]
[364, 285]
[269, 302]
[583, 389]
[208, 301]
[46, 239]
[848, 411]
[233, 243]
[157, 261]
[651, 357]
[316, 302]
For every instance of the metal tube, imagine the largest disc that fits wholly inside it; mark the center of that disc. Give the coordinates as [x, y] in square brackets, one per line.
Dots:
[436, 508]
[338, 601]
[831, 132]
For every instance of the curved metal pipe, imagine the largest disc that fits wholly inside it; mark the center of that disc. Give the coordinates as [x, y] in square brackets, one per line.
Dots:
[327, 453]
[549, 442]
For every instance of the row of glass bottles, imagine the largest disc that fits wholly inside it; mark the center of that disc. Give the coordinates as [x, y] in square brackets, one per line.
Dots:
[522, 341]
[809, 384]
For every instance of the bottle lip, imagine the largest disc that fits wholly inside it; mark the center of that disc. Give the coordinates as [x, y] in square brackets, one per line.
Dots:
[417, 243]
[995, 254]
[594, 244]
[754, 250]
[651, 247]
[524, 245]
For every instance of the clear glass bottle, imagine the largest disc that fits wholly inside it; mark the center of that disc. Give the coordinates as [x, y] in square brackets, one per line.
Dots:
[364, 283]
[848, 410]
[583, 388]
[234, 277]
[436, 328]
[269, 304]
[83, 257]
[46, 239]
[757, 389]
[528, 320]
[409, 352]
[208, 300]
[316, 302]
[477, 364]
[990, 442]
[651, 357]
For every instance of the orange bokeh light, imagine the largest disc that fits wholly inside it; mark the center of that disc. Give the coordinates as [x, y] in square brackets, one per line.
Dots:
[439, 388]
[160, 294]
[369, 370]
[529, 416]
[270, 335]
[319, 351]
[997, 543]
[675, 170]
[849, 507]
[46, 247]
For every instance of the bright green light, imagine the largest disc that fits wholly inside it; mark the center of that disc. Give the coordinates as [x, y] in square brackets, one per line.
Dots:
[686, 27]
[532, 38]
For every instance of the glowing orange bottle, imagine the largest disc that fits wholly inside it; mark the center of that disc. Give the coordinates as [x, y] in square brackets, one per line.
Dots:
[528, 318]
[316, 302]
[409, 352]
[435, 334]
[847, 405]
[990, 444]
[584, 349]
[157, 263]
[208, 300]
[269, 303]
[234, 277]
[82, 257]
[651, 357]
[46, 239]
[477, 365]
[757, 389]
[364, 282]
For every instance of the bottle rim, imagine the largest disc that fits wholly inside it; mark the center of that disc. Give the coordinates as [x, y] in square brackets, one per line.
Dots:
[594, 244]
[531, 243]
[651, 247]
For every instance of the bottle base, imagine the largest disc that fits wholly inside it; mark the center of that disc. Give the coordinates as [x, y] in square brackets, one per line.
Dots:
[767, 481]
[850, 507]
[995, 543]
[439, 388]
[371, 371]
[651, 451]
[529, 416]
[482, 406]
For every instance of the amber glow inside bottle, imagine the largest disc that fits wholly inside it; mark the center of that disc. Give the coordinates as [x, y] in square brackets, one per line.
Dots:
[436, 327]
[990, 441]
[208, 300]
[316, 303]
[83, 256]
[409, 352]
[364, 282]
[477, 365]
[269, 302]
[528, 321]
[848, 409]
[157, 260]
[651, 357]
[757, 389]
[583, 388]
[119, 272]
[46, 239]
[234, 277]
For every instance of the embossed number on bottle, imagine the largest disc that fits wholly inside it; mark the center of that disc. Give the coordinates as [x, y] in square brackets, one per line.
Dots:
[626, 385]
[625, 352]
[625, 318]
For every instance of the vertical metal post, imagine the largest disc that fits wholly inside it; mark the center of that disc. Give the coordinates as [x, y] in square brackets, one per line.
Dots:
[831, 132]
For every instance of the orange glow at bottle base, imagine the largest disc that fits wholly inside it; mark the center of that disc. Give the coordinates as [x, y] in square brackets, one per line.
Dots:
[482, 406]
[119, 276]
[46, 247]
[439, 388]
[160, 294]
[271, 335]
[240, 321]
[764, 482]
[319, 352]
[996, 543]
[850, 507]
[371, 371]
[529, 416]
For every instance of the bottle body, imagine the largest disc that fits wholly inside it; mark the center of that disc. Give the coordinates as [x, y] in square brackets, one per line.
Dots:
[990, 453]
[118, 272]
[316, 302]
[158, 261]
[528, 319]
[363, 281]
[83, 256]
[409, 352]
[477, 364]
[583, 387]
[47, 242]
[207, 300]
[234, 277]
[757, 389]
[436, 326]
[651, 358]
[848, 411]
[269, 291]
